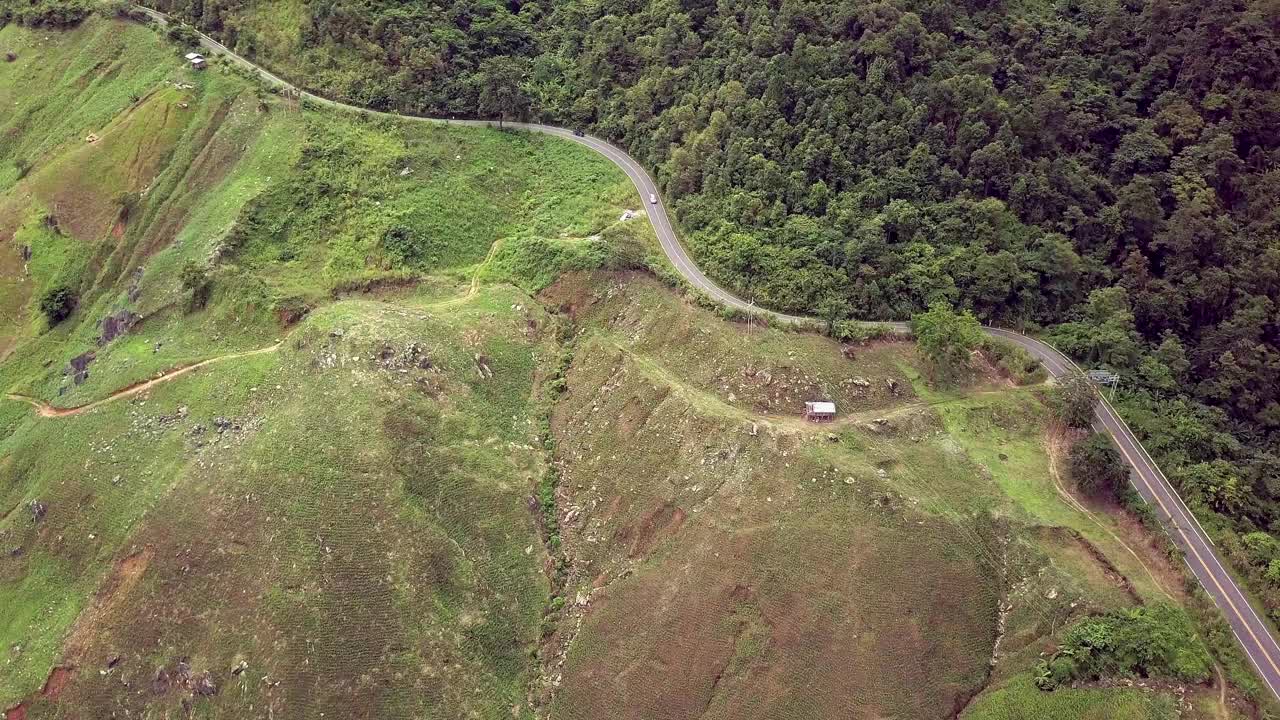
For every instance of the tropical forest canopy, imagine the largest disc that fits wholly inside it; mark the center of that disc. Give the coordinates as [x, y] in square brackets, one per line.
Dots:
[1101, 168]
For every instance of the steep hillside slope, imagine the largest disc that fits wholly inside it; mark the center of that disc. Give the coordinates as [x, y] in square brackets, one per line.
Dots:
[275, 506]
[366, 419]
[893, 564]
[1104, 166]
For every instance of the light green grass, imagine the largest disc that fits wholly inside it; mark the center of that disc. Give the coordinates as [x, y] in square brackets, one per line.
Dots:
[1004, 433]
[86, 77]
[1019, 699]
[390, 499]
[350, 207]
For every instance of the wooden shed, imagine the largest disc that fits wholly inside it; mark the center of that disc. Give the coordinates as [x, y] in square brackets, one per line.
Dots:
[819, 411]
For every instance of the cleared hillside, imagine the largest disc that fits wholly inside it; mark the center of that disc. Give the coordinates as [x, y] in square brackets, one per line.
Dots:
[367, 419]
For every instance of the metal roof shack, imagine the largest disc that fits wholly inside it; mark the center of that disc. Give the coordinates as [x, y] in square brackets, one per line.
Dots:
[819, 411]
[197, 60]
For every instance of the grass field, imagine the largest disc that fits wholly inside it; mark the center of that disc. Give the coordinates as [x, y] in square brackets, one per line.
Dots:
[455, 455]
[369, 473]
[1014, 701]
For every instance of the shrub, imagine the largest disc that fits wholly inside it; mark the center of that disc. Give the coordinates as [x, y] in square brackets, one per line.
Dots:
[121, 9]
[1096, 467]
[58, 303]
[53, 13]
[857, 332]
[1157, 640]
[128, 202]
[183, 35]
[1016, 363]
[1073, 400]
[195, 279]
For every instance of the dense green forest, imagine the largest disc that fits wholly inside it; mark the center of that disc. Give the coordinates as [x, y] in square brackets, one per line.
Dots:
[1103, 169]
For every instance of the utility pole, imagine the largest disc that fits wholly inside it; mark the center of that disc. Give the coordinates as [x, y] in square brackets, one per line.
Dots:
[751, 315]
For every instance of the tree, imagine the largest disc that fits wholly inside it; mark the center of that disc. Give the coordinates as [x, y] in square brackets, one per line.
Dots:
[1106, 332]
[183, 35]
[1096, 467]
[947, 339]
[501, 89]
[1073, 399]
[1215, 484]
[58, 303]
[1261, 548]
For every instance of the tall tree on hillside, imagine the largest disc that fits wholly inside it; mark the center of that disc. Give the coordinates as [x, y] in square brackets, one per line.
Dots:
[947, 339]
[1073, 400]
[1096, 467]
[502, 88]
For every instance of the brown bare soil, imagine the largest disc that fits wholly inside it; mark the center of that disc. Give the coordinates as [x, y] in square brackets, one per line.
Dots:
[52, 688]
[1104, 565]
[764, 372]
[84, 208]
[214, 159]
[663, 521]
[114, 591]
[728, 575]
[1128, 530]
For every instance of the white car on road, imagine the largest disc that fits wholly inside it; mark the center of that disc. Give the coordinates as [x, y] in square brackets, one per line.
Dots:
[653, 199]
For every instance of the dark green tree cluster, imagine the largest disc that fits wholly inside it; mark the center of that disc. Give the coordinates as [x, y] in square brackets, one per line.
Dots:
[1073, 399]
[57, 304]
[45, 13]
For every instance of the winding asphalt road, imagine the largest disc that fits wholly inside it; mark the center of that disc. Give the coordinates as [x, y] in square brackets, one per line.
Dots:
[1254, 635]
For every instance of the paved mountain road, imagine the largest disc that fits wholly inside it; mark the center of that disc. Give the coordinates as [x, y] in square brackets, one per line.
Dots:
[1254, 635]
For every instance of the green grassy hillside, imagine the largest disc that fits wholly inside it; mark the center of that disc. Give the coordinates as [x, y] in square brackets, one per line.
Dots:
[367, 419]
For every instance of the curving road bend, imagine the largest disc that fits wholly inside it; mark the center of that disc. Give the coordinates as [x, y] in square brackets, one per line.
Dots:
[1252, 632]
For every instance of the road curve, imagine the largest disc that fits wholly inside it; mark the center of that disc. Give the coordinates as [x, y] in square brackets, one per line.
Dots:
[1252, 632]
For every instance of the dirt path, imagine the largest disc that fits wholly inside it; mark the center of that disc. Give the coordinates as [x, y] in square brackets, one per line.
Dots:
[712, 403]
[1053, 443]
[1223, 713]
[49, 411]
[475, 281]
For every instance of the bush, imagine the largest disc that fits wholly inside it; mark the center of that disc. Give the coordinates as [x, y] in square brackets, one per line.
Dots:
[1158, 640]
[1016, 364]
[51, 13]
[128, 202]
[738, 315]
[121, 9]
[58, 303]
[183, 35]
[856, 332]
[1074, 399]
[1096, 467]
[195, 279]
